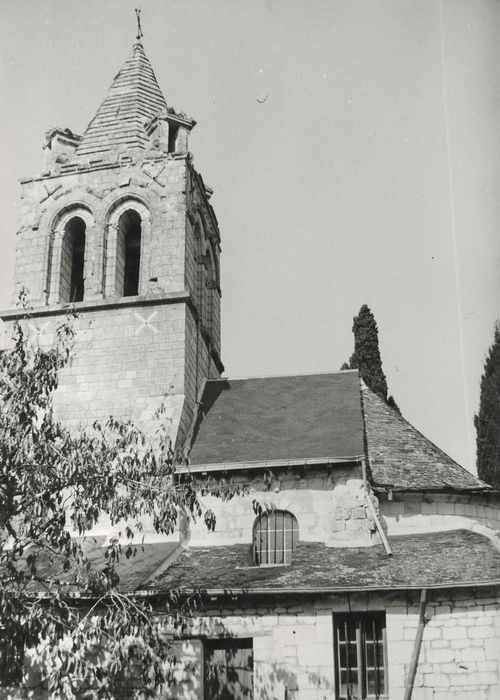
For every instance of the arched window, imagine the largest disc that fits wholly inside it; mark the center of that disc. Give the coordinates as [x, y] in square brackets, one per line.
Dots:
[275, 536]
[71, 285]
[128, 254]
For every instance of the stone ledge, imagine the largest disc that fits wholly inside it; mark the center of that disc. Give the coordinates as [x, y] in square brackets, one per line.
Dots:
[98, 305]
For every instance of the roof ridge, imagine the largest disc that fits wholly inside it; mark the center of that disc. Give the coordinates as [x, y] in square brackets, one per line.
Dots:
[284, 376]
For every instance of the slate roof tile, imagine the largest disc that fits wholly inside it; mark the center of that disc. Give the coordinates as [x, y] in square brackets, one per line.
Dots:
[133, 98]
[436, 559]
[400, 457]
[250, 420]
[133, 572]
[320, 416]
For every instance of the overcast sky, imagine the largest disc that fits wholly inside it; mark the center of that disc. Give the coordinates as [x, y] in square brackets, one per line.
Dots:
[354, 149]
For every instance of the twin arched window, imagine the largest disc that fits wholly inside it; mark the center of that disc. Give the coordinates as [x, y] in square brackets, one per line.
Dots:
[275, 536]
[69, 280]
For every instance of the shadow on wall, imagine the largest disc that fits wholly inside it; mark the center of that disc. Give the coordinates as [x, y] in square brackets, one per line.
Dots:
[229, 667]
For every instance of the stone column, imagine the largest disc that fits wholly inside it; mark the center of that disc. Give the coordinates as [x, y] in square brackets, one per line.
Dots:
[94, 263]
[54, 278]
[109, 255]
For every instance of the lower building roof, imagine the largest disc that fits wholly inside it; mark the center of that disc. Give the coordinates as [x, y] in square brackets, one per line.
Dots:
[433, 560]
[439, 559]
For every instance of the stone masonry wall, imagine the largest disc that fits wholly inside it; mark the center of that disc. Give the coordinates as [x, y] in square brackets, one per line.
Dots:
[460, 655]
[157, 185]
[125, 359]
[328, 502]
[293, 645]
[293, 652]
[408, 513]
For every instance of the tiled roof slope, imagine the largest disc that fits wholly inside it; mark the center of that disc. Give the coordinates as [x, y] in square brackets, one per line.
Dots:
[279, 418]
[133, 572]
[133, 98]
[400, 457]
[438, 559]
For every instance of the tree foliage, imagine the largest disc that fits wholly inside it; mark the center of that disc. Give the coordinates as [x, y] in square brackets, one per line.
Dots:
[487, 420]
[55, 485]
[366, 356]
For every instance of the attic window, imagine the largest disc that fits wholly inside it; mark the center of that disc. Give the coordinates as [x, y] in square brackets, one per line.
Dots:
[275, 536]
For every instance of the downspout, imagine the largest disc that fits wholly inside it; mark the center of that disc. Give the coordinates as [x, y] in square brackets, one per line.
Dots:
[416, 647]
[373, 512]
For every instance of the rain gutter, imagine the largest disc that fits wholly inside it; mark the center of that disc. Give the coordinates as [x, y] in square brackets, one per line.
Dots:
[232, 592]
[307, 591]
[266, 464]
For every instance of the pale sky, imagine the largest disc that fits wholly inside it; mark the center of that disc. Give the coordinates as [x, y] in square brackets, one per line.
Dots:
[368, 174]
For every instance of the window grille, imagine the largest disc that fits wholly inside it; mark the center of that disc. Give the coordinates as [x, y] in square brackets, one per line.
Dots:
[360, 656]
[275, 537]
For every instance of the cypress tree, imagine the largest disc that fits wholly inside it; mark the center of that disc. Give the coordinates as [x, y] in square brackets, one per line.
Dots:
[487, 420]
[366, 356]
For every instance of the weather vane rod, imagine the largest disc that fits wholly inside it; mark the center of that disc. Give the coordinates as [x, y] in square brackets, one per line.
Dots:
[139, 28]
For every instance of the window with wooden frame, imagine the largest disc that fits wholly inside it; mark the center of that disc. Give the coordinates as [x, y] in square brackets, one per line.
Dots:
[360, 656]
[275, 536]
[228, 669]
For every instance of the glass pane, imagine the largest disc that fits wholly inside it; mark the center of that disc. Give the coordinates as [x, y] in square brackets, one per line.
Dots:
[351, 630]
[370, 655]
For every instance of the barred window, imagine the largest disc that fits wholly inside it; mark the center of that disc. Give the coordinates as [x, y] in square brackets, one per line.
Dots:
[360, 656]
[275, 536]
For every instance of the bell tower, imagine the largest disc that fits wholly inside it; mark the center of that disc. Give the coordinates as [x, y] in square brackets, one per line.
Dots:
[119, 226]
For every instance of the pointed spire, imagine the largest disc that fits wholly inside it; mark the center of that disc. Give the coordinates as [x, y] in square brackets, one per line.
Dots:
[132, 100]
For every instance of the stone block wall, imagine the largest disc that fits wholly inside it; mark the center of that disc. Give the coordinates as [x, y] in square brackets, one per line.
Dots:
[130, 351]
[294, 653]
[408, 513]
[126, 357]
[293, 644]
[460, 654]
[157, 185]
[328, 502]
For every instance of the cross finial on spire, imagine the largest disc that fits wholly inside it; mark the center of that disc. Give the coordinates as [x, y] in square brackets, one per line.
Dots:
[139, 28]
